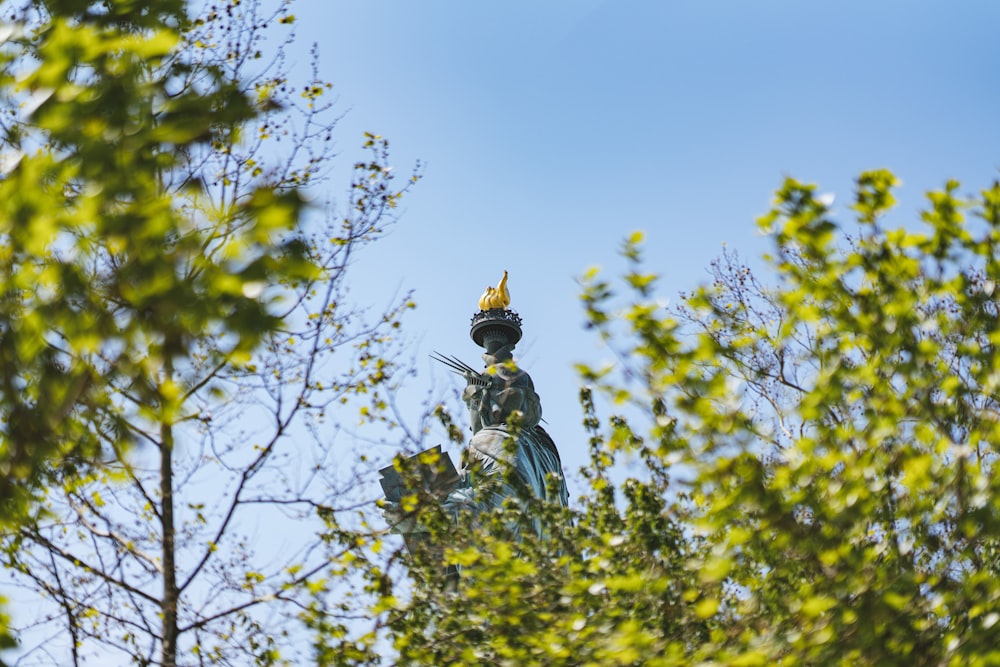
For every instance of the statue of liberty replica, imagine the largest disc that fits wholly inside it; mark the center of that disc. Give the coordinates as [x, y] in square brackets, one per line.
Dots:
[509, 456]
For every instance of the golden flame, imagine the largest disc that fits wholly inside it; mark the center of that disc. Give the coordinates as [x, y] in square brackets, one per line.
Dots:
[495, 297]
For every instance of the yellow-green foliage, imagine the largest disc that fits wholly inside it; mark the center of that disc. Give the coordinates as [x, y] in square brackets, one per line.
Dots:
[812, 475]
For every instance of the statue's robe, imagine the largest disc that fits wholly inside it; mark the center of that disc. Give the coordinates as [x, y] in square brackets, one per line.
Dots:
[494, 470]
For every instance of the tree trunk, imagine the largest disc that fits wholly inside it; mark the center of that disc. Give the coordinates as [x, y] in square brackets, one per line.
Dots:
[170, 593]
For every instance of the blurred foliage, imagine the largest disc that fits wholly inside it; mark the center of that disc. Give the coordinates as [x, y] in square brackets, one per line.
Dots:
[104, 276]
[157, 280]
[799, 470]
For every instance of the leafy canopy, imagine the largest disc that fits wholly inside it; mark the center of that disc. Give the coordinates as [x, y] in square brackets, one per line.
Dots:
[838, 430]
[104, 274]
[167, 323]
[811, 467]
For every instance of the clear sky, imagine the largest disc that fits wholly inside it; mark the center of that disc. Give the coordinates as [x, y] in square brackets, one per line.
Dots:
[551, 129]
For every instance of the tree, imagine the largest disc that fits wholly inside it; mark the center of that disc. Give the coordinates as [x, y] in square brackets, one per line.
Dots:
[812, 476]
[840, 428]
[168, 330]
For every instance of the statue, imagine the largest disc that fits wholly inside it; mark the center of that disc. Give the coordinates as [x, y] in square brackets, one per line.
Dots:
[503, 406]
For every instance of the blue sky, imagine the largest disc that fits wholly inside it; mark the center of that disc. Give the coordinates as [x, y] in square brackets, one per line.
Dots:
[552, 129]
